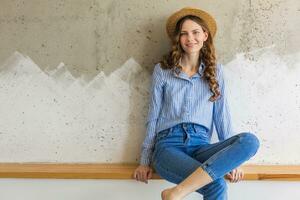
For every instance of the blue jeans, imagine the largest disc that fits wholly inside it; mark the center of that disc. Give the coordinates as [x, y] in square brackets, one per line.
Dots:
[180, 150]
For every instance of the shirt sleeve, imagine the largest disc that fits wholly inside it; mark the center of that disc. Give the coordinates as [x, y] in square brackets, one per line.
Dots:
[221, 113]
[156, 97]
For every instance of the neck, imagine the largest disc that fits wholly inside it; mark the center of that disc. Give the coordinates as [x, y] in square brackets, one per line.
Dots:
[190, 61]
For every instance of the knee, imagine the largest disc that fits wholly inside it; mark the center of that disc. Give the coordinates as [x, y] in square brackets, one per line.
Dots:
[250, 141]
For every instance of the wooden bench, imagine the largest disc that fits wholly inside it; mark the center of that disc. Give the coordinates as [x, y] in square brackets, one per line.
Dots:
[125, 171]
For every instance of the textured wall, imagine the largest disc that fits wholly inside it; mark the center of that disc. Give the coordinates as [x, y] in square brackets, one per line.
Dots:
[74, 78]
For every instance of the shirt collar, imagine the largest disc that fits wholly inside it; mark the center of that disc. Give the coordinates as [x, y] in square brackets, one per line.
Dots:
[185, 76]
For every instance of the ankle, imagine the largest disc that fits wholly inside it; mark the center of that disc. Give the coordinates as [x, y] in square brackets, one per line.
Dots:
[178, 190]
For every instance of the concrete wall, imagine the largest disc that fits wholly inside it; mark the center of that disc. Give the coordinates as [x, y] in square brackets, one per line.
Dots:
[74, 87]
[75, 75]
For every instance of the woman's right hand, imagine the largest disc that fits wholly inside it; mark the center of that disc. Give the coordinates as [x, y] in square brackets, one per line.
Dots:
[143, 173]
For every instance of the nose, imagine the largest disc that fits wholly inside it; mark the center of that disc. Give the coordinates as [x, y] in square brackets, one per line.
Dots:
[189, 37]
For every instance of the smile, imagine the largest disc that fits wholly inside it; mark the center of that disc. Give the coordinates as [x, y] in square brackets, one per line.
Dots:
[191, 45]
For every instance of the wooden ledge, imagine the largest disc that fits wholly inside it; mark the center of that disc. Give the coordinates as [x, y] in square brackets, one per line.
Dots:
[125, 171]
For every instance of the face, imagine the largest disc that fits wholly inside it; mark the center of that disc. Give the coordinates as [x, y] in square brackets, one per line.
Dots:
[192, 37]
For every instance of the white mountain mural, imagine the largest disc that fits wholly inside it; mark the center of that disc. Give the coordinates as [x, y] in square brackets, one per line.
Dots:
[264, 93]
[51, 116]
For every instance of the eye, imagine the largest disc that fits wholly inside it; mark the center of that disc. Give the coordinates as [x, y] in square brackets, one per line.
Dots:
[196, 32]
[183, 34]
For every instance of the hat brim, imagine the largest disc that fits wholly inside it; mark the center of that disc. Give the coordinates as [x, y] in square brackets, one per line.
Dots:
[175, 17]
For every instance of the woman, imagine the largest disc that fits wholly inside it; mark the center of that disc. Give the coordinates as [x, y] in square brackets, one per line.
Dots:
[188, 98]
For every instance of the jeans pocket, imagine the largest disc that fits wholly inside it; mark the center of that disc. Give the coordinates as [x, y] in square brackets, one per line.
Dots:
[201, 132]
[200, 129]
[162, 134]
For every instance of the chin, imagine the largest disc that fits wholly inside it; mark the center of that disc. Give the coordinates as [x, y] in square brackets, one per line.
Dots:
[192, 51]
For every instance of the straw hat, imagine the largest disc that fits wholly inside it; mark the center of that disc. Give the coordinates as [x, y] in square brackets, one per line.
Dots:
[175, 17]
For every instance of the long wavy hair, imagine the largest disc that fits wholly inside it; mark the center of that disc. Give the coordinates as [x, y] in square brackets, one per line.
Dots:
[207, 56]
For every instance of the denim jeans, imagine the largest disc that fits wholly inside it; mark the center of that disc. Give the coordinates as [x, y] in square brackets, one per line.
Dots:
[180, 150]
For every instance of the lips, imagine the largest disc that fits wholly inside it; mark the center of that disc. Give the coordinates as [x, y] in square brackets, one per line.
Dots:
[191, 45]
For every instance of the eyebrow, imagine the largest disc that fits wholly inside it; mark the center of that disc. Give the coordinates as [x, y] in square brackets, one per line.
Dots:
[192, 30]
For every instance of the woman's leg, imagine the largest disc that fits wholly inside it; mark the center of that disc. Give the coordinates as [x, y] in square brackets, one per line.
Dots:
[215, 159]
[216, 190]
[174, 165]
[222, 157]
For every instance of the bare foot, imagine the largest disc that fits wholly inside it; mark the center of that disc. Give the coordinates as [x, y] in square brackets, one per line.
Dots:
[170, 194]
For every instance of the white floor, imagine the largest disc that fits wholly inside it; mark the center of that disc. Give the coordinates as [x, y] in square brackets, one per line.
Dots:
[51, 189]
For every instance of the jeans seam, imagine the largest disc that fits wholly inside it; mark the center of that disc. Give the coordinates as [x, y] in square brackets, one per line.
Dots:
[208, 162]
[209, 171]
[194, 128]
[209, 149]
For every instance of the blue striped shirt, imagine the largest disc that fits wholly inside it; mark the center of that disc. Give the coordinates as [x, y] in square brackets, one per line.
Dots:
[175, 99]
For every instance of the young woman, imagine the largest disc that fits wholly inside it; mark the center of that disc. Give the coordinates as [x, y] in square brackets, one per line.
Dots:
[188, 98]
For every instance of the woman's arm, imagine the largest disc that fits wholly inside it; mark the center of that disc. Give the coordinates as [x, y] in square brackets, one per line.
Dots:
[221, 112]
[156, 97]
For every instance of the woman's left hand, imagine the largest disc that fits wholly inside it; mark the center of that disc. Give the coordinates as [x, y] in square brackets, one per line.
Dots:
[235, 175]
